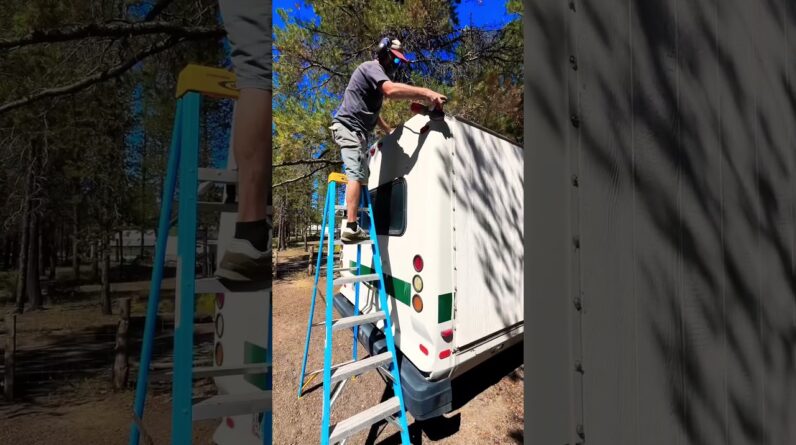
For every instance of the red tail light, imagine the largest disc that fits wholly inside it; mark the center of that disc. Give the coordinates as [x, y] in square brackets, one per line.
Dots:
[423, 350]
[417, 262]
[219, 353]
[230, 422]
[447, 335]
[445, 354]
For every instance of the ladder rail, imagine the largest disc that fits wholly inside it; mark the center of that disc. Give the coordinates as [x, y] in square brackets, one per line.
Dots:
[327, 349]
[314, 295]
[182, 384]
[357, 287]
[157, 274]
[394, 409]
[388, 334]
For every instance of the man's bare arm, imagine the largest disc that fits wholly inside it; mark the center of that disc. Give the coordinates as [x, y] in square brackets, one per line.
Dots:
[395, 90]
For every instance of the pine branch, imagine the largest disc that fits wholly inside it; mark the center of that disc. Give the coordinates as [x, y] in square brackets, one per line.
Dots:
[290, 181]
[324, 162]
[157, 9]
[116, 30]
[109, 73]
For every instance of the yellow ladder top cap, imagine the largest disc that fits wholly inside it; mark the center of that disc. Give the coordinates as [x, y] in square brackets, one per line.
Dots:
[210, 81]
[338, 177]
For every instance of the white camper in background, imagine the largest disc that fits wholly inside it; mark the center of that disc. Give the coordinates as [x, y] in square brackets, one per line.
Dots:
[448, 207]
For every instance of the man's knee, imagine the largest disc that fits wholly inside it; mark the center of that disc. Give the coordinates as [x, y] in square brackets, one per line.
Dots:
[248, 25]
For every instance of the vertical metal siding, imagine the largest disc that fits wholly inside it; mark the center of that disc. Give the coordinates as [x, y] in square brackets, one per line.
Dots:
[676, 118]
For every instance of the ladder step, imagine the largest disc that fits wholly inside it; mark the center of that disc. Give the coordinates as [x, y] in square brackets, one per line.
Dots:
[231, 207]
[220, 371]
[338, 242]
[364, 419]
[343, 208]
[355, 279]
[356, 320]
[232, 405]
[214, 285]
[218, 175]
[361, 366]
[341, 269]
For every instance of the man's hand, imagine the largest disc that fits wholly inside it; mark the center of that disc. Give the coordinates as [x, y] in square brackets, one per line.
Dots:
[395, 90]
[436, 99]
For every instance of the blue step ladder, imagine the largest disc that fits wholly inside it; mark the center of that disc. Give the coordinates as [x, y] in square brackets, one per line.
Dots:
[195, 81]
[393, 409]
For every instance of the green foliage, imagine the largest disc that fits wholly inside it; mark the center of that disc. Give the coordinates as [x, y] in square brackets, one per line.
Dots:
[81, 147]
[479, 69]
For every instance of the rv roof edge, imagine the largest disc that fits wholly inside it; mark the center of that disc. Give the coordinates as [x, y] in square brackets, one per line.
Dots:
[487, 130]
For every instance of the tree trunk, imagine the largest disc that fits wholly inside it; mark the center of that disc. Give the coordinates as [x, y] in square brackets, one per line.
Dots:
[22, 267]
[206, 256]
[95, 259]
[141, 252]
[304, 232]
[105, 293]
[119, 255]
[53, 257]
[40, 254]
[310, 263]
[8, 356]
[143, 192]
[75, 245]
[121, 368]
[33, 275]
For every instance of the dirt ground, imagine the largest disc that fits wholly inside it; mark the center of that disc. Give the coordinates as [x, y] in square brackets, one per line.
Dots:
[64, 357]
[488, 402]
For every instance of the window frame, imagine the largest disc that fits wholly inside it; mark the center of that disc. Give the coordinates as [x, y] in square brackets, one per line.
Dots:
[400, 182]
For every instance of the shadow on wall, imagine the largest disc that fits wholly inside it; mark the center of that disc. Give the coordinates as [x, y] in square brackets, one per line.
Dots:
[686, 216]
[489, 188]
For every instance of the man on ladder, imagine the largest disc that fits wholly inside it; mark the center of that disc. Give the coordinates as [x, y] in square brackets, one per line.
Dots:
[358, 115]
[355, 120]
[246, 386]
[248, 23]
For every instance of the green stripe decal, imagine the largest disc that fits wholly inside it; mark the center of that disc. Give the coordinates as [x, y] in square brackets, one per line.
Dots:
[395, 287]
[255, 354]
[402, 291]
[445, 308]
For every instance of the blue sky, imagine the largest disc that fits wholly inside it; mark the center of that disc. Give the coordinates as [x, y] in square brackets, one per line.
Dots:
[480, 13]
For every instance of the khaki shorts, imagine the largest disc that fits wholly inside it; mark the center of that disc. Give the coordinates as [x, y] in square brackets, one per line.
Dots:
[353, 151]
[248, 25]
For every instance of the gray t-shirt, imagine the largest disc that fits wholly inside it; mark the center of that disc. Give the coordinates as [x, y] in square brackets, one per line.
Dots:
[362, 98]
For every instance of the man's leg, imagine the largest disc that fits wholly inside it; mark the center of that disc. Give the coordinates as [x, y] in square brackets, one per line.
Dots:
[351, 151]
[352, 191]
[248, 25]
[252, 149]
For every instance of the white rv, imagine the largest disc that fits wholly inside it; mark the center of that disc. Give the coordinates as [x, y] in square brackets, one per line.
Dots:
[448, 206]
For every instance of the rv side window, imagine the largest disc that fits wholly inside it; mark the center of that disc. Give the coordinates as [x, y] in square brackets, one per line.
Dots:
[389, 208]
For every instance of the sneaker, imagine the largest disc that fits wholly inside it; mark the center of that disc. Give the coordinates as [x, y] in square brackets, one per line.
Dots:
[242, 262]
[357, 236]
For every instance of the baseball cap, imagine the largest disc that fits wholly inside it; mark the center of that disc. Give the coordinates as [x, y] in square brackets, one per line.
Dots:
[395, 49]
